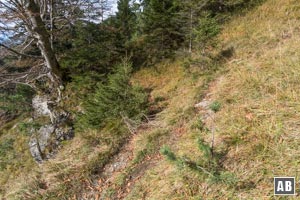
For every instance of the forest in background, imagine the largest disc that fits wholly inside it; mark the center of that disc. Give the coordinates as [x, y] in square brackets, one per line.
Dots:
[91, 46]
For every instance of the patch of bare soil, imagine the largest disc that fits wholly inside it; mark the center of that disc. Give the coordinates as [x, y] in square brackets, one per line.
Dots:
[104, 185]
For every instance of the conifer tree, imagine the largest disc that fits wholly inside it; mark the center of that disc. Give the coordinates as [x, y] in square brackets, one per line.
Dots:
[125, 22]
[115, 99]
[162, 27]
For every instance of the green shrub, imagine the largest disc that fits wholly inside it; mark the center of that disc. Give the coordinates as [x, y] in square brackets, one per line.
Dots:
[166, 151]
[205, 149]
[114, 100]
[206, 30]
[209, 166]
[27, 127]
[225, 177]
[6, 152]
[215, 106]
[16, 100]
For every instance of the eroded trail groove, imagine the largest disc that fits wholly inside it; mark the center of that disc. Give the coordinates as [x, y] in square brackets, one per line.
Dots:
[119, 176]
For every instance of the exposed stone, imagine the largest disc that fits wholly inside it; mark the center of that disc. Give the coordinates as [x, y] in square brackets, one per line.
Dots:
[45, 141]
[39, 142]
[40, 106]
[34, 150]
[203, 107]
[203, 104]
[64, 133]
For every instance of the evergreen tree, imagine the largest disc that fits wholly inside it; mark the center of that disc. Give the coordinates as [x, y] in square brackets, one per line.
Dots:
[92, 47]
[162, 27]
[125, 20]
[16, 99]
[115, 99]
[190, 12]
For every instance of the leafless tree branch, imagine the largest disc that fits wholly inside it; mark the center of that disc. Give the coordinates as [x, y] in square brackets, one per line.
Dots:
[19, 53]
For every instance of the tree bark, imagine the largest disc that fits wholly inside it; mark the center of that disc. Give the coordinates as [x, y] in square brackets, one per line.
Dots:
[40, 33]
[19, 53]
[51, 10]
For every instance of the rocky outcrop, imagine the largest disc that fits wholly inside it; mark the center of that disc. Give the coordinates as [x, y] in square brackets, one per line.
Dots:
[39, 141]
[45, 141]
[40, 106]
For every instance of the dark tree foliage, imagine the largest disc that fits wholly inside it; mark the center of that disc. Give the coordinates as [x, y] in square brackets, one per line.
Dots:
[125, 23]
[144, 32]
[114, 100]
[161, 27]
[16, 99]
[226, 6]
[93, 47]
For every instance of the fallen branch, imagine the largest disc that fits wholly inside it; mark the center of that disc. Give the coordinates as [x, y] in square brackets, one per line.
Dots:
[19, 53]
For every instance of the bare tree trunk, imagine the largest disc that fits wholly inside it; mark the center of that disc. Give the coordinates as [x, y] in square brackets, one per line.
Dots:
[51, 22]
[40, 33]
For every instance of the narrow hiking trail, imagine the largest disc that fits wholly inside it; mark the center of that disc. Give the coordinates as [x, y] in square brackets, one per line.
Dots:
[120, 174]
[206, 113]
[227, 117]
[123, 162]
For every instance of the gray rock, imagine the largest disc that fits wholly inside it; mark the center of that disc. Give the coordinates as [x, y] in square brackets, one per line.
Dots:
[40, 106]
[39, 142]
[203, 104]
[34, 150]
[45, 141]
[62, 134]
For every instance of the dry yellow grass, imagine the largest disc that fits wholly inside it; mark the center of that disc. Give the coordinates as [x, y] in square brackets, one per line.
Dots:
[260, 97]
[257, 126]
[259, 119]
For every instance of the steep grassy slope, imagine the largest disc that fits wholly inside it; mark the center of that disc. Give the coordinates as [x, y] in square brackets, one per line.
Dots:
[257, 127]
[260, 97]
[254, 127]
[73, 172]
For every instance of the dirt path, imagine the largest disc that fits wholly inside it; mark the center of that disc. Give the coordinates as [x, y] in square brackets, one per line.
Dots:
[207, 114]
[108, 184]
